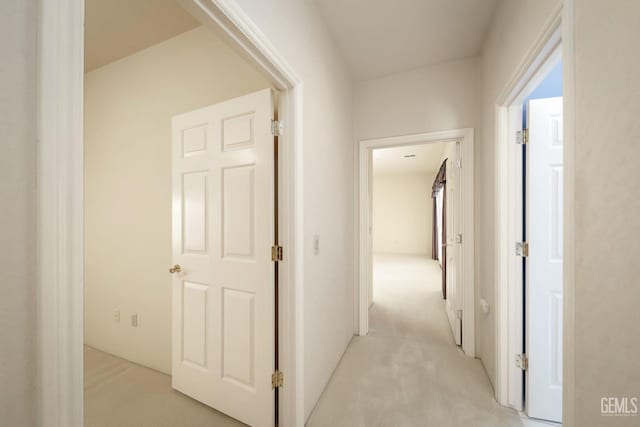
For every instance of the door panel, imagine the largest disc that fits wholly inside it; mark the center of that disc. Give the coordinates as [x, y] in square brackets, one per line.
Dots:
[194, 309]
[238, 336]
[194, 199]
[453, 302]
[239, 216]
[544, 263]
[223, 230]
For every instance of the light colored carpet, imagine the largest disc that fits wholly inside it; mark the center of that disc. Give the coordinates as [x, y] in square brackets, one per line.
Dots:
[118, 393]
[407, 371]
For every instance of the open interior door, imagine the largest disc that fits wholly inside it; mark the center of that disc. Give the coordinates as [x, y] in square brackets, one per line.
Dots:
[223, 279]
[544, 262]
[453, 202]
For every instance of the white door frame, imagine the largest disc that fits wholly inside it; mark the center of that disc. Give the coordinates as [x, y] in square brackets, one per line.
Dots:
[465, 136]
[556, 39]
[60, 202]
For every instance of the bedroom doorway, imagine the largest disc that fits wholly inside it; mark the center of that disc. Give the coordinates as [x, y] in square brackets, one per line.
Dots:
[412, 209]
[403, 190]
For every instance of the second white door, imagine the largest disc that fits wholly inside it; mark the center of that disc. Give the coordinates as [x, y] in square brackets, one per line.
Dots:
[544, 263]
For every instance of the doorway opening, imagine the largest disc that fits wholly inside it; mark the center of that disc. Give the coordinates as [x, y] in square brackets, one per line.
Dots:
[415, 206]
[530, 230]
[134, 70]
[406, 223]
[180, 216]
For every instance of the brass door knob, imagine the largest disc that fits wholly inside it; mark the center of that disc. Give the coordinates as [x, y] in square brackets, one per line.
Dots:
[175, 269]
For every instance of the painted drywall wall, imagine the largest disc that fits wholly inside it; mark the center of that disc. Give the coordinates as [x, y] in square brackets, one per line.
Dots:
[607, 202]
[18, 397]
[438, 97]
[128, 108]
[297, 31]
[402, 213]
[512, 34]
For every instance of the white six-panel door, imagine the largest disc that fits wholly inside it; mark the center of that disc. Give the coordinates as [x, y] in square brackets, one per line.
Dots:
[544, 263]
[223, 230]
[453, 303]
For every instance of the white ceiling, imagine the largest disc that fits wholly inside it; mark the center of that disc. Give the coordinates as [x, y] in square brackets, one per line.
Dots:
[117, 28]
[428, 158]
[380, 37]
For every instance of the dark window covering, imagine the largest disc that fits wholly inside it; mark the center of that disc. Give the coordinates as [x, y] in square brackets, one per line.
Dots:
[441, 179]
[440, 184]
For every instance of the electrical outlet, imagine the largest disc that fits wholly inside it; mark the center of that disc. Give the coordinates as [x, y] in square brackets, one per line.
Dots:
[116, 315]
[134, 320]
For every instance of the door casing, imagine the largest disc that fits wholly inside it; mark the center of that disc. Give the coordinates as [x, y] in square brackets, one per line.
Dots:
[365, 274]
[59, 233]
[510, 283]
[554, 41]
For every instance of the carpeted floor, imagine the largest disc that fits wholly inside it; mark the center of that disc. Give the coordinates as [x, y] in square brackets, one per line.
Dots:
[118, 393]
[407, 371]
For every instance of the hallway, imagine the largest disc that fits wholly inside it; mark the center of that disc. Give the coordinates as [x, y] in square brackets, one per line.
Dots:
[407, 371]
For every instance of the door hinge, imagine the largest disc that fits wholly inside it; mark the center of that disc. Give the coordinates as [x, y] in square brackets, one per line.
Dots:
[459, 164]
[277, 379]
[459, 314]
[522, 249]
[276, 253]
[522, 137]
[276, 127]
[522, 361]
[459, 238]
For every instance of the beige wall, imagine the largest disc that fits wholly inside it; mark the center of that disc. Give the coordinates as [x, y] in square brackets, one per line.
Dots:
[607, 202]
[18, 403]
[402, 213]
[438, 97]
[128, 110]
[514, 31]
